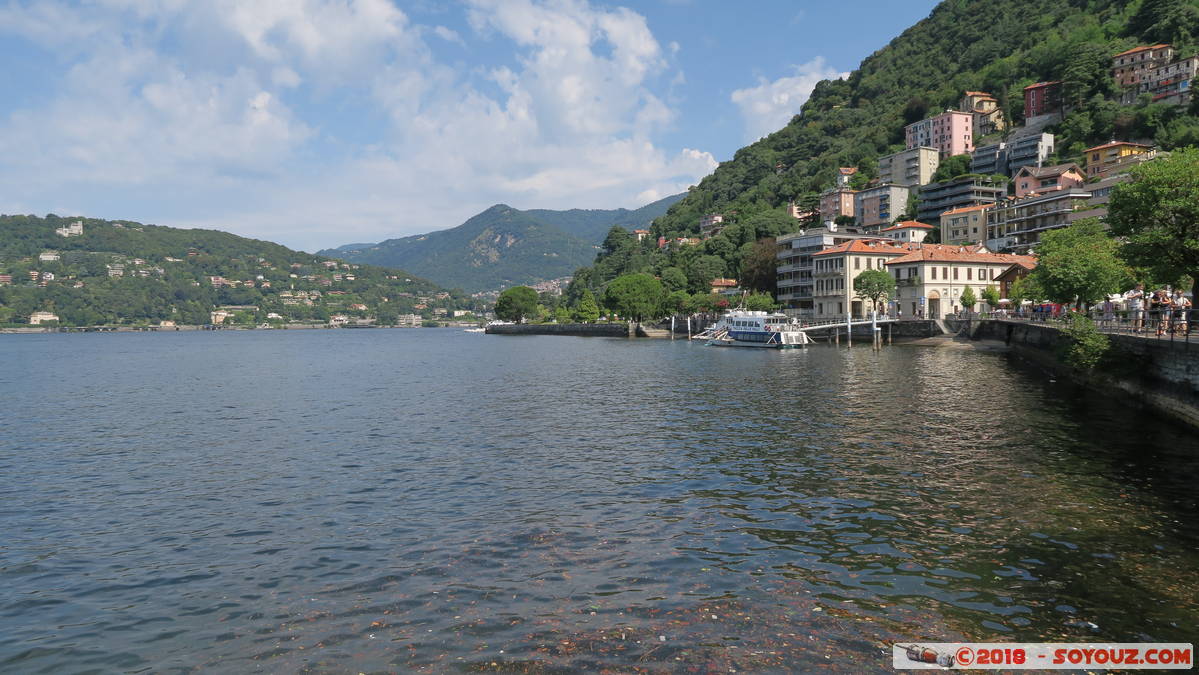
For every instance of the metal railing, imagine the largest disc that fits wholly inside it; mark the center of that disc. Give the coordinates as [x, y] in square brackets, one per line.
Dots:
[1154, 324]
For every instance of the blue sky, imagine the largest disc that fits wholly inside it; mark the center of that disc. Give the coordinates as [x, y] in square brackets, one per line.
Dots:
[316, 123]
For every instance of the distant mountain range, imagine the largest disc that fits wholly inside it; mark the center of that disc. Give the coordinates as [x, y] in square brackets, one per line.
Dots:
[503, 246]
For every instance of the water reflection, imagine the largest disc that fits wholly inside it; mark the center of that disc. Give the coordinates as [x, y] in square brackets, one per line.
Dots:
[412, 500]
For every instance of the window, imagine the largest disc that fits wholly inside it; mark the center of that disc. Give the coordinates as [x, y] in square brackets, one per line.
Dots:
[955, 274]
[857, 263]
[944, 272]
[969, 273]
[934, 273]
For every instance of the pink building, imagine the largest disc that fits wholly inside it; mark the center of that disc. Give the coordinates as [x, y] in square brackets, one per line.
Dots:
[951, 133]
[836, 202]
[1033, 179]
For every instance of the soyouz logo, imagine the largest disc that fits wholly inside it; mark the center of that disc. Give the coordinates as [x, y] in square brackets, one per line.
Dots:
[1042, 655]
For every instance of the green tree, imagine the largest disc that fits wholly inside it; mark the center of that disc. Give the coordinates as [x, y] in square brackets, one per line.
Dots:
[703, 270]
[1157, 213]
[674, 279]
[952, 167]
[517, 304]
[587, 311]
[760, 302]
[968, 300]
[1087, 345]
[1079, 263]
[676, 302]
[874, 285]
[634, 296]
[759, 266]
[561, 314]
[991, 296]
[1025, 288]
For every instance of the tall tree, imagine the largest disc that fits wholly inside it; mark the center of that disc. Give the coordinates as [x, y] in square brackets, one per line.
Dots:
[1079, 263]
[634, 296]
[759, 265]
[874, 285]
[517, 304]
[587, 311]
[1157, 213]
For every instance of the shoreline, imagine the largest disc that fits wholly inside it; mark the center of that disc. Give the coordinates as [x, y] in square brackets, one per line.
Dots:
[37, 330]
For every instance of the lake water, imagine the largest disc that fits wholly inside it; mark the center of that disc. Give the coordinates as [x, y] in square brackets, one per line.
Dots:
[433, 500]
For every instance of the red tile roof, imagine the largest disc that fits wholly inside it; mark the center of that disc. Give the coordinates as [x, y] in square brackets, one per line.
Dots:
[872, 246]
[965, 209]
[909, 224]
[724, 283]
[1114, 144]
[967, 254]
[848, 170]
[1041, 84]
[1134, 50]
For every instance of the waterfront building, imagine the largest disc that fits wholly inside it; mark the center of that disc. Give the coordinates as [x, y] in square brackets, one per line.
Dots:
[932, 277]
[48, 256]
[834, 270]
[910, 168]
[1042, 98]
[837, 201]
[947, 195]
[987, 115]
[965, 225]
[1045, 179]
[909, 231]
[1115, 157]
[640, 234]
[1011, 275]
[876, 207]
[38, 318]
[795, 265]
[951, 133]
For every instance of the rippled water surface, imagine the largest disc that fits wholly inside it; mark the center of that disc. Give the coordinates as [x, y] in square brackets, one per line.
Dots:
[408, 500]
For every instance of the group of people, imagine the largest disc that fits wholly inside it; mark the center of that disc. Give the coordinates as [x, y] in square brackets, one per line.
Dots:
[1168, 311]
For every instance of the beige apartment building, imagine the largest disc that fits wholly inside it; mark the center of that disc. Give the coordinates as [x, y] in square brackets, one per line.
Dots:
[834, 270]
[909, 167]
[932, 277]
[965, 225]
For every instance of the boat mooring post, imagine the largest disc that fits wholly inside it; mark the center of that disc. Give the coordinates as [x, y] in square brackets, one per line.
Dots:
[874, 334]
[888, 333]
[849, 328]
[671, 326]
[688, 326]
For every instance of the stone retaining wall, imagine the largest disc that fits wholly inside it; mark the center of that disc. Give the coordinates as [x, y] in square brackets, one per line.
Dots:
[1156, 372]
[575, 329]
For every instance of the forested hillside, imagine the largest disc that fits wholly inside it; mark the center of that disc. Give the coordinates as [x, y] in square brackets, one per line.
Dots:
[997, 46]
[503, 246]
[121, 272]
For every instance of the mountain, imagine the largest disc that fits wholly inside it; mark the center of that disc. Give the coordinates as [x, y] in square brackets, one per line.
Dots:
[90, 271]
[997, 46]
[503, 246]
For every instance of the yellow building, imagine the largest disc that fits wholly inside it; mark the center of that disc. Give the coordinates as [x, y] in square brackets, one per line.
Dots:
[1101, 160]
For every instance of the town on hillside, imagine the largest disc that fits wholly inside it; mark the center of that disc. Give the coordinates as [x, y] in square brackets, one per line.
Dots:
[976, 229]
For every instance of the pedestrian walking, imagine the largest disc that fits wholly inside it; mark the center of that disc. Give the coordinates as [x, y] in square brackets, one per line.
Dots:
[1159, 306]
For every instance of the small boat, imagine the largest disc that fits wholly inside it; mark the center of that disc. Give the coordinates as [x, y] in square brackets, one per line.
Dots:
[743, 328]
[475, 330]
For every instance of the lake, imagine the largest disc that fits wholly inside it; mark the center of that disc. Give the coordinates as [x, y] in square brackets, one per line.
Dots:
[433, 500]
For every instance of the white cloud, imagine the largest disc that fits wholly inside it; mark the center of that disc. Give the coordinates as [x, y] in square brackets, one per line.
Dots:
[768, 107]
[220, 130]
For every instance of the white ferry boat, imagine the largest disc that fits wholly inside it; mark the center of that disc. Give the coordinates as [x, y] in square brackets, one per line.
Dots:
[743, 328]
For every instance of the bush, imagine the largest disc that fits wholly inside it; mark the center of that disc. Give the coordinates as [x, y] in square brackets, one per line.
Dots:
[1087, 345]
